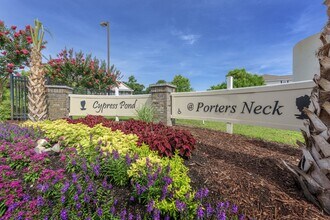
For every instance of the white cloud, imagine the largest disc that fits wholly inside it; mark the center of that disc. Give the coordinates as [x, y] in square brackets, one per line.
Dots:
[190, 38]
[187, 38]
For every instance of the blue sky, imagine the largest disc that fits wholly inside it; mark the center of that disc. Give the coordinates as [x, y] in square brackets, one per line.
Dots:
[155, 39]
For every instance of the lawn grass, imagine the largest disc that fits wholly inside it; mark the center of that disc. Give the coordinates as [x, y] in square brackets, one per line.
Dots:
[264, 133]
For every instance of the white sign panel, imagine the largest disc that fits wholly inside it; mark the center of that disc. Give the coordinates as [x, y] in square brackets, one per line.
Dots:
[278, 106]
[126, 105]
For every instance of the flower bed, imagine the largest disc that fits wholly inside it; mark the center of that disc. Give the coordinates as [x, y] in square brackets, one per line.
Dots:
[99, 174]
[161, 138]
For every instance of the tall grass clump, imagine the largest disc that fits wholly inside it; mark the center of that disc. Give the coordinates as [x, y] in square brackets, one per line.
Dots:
[146, 113]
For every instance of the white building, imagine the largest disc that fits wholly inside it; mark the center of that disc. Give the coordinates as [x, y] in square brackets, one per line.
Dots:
[123, 90]
[275, 80]
[305, 63]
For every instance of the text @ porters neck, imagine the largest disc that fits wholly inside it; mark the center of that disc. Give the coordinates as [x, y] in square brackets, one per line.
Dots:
[99, 107]
[246, 108]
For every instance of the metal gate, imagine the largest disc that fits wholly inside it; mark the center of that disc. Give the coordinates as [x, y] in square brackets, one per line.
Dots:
[18, 97]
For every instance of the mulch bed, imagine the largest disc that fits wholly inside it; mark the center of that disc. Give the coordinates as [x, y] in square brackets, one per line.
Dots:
[249, 173]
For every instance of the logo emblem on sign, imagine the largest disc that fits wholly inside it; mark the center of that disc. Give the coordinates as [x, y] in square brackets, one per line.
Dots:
[301, 103]
[190, 106]
[82, 104]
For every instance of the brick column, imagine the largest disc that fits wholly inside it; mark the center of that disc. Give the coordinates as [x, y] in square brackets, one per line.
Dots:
[58, 101]
[161, 101]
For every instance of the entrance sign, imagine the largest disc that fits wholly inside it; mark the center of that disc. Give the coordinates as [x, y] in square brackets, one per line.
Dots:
[126, 105]
[278, 106]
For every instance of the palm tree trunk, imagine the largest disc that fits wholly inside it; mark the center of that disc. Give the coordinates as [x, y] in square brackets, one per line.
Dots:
[313, 170]
[37, 102]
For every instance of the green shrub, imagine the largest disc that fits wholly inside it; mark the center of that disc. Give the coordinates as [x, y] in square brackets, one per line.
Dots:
[146, 113]
[5, 106]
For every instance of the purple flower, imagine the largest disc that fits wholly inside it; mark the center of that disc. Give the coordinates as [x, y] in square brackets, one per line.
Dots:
[43, 187]
[115, 154]
[164, 192]
[168, 180]
[113, 210]
[90, 187]
[78, 206]
[150, 206]
[234, 209]
[96, 169]
[128, 159]
[65, 187]
[209, 210]
[86, 198]
[99, 212]
[75, 197]
[202, 193]
[79, 189]
[131, 198]
[181, 206]
[12, 207]
[40, 201]
[156, 215]
[74, 177]
[200, 212]
[64, 214]
[63, 199]
[221, 216]
[130, 216]
[105, 183]
[138, 217]
[123, 214]
[241, 217]
[167, 217]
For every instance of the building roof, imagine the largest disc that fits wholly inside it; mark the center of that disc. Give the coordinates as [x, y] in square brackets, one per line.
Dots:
[123, 87]
[269, 77]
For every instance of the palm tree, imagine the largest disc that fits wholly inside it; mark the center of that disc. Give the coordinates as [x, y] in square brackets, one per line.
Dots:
[313, 170]
[37, 102]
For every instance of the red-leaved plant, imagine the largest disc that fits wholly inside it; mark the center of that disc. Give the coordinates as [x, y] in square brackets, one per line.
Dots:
[166, 140]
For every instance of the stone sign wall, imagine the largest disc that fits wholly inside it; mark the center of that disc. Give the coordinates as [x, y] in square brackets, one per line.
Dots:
[278, 106]
[107, 105]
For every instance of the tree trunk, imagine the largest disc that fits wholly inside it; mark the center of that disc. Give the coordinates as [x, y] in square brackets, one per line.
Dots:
[37, 102]
[313, 170]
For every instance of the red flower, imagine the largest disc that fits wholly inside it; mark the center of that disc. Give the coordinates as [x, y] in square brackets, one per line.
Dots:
[17, 34]
[1, 23]
[17, 51]
[25, 51]
[29, 39]
[10, 65]
[13, 27]
[4, 53]
[27, 27]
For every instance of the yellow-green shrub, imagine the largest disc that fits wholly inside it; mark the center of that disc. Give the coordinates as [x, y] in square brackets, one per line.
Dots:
[76, 135]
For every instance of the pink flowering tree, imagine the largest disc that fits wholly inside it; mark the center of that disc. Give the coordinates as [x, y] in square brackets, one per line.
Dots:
[15, 47]
[77, 70]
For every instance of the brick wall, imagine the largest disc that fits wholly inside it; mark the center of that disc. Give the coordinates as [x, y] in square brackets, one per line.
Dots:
[161, 101]
[58, 101]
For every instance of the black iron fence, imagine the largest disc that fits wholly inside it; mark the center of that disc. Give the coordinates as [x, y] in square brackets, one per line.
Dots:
[18, 97]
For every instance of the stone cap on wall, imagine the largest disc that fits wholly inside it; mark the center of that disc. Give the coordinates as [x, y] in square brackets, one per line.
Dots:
[58, 87]
[163, 85]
